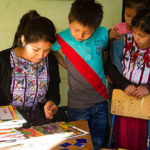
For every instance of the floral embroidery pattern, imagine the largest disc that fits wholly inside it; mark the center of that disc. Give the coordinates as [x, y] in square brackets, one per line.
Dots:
[136, 62]
[137, 56]
[147, 58]
[29, 81]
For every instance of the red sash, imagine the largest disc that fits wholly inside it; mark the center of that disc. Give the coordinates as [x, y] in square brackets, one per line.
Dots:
[87, 72]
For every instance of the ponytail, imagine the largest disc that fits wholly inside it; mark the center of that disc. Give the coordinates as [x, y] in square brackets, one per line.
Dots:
[23, 21]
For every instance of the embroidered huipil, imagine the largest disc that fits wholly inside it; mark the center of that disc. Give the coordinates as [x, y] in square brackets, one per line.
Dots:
[29, 81]
[131, 133]
[136, 62]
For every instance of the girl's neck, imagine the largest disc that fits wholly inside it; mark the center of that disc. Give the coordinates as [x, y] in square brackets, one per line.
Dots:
[20, 52]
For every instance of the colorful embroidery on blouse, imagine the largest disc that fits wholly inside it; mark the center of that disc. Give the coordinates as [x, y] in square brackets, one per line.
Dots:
[29, 81]
[136, 62]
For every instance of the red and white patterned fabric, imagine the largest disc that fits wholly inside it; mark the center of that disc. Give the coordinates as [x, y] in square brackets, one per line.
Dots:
[136, 62]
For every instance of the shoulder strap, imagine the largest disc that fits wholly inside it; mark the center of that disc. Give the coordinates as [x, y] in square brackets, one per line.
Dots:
[86, 71]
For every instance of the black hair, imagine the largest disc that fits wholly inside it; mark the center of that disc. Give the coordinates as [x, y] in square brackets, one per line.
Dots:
[23, 21]
[137, 4]
[34, 28]
[142, 20]
[87, 12]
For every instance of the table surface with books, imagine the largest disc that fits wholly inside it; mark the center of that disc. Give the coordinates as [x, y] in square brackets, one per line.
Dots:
[82, 124]
[58, 135]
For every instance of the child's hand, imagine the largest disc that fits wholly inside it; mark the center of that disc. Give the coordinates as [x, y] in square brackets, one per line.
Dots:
[141, 91]
[114, 34]
[130, 89]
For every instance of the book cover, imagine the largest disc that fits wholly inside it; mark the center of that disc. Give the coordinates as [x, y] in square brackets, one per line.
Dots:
[19, 116]
[60, 127]
[30, 132]
[7, 113]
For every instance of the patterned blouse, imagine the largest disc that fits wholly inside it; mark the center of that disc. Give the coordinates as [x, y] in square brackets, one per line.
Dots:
[136, 62]
[29, 81]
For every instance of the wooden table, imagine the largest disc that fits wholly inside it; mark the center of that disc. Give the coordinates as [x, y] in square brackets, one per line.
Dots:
[82, 124]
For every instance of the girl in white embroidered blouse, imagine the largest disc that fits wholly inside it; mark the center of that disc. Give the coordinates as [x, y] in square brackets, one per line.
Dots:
[131, 133]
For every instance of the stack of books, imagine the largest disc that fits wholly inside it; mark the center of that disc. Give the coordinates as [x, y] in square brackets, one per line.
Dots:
[10, 118]
[37, 137]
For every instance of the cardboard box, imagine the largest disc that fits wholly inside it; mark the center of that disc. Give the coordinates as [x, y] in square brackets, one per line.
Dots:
[130, 106]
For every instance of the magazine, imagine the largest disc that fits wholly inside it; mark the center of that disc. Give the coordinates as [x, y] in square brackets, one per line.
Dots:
[60, 127]
[30, 132]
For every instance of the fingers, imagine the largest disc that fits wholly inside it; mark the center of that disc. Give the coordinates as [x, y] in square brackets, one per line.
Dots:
[115, 29]
[141, 91]
[54, 109]
[49, 114]
[50, 109]
[130, 89]
[114, 34]
[138, 94]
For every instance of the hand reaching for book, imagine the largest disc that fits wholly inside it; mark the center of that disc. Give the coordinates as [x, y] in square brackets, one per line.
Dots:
[50, 109]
